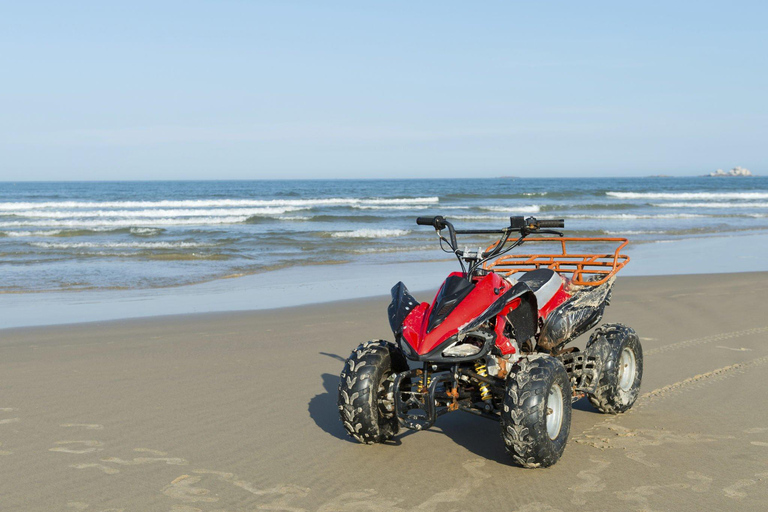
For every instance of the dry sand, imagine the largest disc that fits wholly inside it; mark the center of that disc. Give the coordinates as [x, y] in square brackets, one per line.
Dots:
[237, 412]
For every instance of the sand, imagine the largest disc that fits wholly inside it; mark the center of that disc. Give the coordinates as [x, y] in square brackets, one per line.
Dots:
[236, 412]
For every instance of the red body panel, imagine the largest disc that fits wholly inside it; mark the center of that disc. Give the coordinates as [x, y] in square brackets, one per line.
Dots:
[487, 289]
[557, 299]
[478, 300]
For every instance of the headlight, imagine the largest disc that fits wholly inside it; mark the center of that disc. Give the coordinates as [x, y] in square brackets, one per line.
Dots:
[461, 349]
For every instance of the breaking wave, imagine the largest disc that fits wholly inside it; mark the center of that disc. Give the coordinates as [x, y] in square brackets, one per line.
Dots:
[370, 233]
[125, 223]
[689, 195]
[121, 245]
[158, 213]
[219, 203]
[513, 209]
[712, 205]
[630, 216]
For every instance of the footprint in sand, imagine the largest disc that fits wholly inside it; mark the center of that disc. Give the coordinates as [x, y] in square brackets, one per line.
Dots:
[592, 482]
[640, 494]
[89, 446]
[81, 505]
[101, 467]
[182, 488]
[757, 430]
[150, 450]
[6, 421]
[371, 501]
[704, 481]
[87, 426]
[734, 491]
[284, 494]
[171, 461]
[631, 441]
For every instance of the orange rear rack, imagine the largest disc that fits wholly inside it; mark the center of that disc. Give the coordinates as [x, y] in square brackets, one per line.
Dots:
[586, 269]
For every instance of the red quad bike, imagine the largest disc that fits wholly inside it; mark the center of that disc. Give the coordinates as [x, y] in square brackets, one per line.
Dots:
[493, 343]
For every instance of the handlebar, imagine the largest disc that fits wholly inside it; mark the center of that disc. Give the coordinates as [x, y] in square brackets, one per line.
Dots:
[521, 224]
[517, 224]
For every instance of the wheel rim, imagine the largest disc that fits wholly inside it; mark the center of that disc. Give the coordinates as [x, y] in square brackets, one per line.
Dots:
[627, 369]
[554, 411]
[386, 397]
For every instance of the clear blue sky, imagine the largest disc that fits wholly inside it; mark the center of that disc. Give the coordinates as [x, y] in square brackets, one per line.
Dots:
[288, 89]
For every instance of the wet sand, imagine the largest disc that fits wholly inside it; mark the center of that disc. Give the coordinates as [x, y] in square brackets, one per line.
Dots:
[236, 412]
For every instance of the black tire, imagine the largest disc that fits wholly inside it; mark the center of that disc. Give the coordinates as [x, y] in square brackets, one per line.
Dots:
[366, 404]
[615, 391]
[524, 413]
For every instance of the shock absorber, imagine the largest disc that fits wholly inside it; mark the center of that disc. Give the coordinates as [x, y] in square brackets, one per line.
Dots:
[426, 380]
[482, 370]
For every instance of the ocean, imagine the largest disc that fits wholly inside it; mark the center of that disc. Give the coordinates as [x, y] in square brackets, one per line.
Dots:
[133, 235]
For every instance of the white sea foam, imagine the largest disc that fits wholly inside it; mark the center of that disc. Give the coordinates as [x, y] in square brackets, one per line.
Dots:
[479, 217]
[630, 216]
[689, 195]
[390, 207]
[222, 203]
[371, 233]
[634, 232]
[153, 213]
[513, 209]
[122, 223]
[295, 217]
[120, 245]
[52, 232]
[711, 205]
[146, 231]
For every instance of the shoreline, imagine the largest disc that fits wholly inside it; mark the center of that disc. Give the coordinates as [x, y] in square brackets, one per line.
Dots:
[295, 310]
[307, 285]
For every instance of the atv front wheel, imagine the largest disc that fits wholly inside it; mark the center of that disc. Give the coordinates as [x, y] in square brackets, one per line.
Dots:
[536, 417]
[366, 403]
[618, 348]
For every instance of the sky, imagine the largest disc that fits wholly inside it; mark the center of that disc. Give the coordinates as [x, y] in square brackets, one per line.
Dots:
[330, 89]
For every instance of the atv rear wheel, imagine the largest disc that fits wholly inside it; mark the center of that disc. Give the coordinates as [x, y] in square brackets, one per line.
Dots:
[366, 404]
[618, 348]
[536, 417]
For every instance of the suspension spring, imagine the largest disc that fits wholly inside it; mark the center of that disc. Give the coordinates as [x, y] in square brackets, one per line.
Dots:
[482, 370]
[426, 380]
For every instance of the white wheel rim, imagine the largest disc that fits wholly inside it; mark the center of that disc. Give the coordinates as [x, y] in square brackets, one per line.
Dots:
[627, 368]
[554, 411]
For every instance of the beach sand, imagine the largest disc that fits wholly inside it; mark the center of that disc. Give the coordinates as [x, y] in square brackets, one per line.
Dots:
[237, 412]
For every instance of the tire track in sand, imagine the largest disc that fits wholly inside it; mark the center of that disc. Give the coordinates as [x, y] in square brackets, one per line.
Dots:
[695, 382]
[703, 341]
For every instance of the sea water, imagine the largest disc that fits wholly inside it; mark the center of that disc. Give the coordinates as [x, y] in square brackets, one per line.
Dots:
[142, 235]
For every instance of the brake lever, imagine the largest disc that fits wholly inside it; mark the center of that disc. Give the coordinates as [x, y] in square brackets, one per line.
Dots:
[549, 232]
[526, 231]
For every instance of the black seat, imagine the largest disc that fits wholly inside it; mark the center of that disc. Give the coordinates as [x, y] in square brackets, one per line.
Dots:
[544, 283]
[535, 279]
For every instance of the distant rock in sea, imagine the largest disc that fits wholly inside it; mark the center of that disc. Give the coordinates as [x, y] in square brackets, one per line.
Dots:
[736, 171]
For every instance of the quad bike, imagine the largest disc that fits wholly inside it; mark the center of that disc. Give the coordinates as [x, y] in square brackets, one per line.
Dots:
[493, 343]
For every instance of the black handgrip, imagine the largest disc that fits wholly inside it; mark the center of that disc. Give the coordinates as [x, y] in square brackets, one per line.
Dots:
[551, 223]
[438, 222]
[425, 221]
